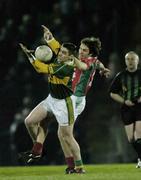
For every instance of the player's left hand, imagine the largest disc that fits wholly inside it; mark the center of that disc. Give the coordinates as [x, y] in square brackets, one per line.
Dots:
[139, 100]
[27, 52]
[70, 61]
[24, 48]
[106, 72]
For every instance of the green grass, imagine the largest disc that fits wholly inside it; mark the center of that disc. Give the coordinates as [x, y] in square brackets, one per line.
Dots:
[93, 172]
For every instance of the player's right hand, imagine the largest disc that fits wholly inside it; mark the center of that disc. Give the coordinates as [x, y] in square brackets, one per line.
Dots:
[28, 52]
[129, 103]
[47, 34]
[24, 48]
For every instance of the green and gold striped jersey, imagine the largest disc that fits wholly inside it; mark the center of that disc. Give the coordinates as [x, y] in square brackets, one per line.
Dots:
[59, 74]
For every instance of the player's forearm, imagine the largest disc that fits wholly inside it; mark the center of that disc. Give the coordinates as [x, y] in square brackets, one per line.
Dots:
[117, 98]
[54, 45]
[31, 58]
[80, 65]
[101, 66]
[40, 67]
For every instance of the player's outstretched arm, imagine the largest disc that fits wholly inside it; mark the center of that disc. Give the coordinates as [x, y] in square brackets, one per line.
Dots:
[79, 64]
[103, 70]
[40, 67]
[106, 72]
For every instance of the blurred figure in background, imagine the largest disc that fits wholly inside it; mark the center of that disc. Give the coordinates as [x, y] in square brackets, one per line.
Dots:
[126, 90]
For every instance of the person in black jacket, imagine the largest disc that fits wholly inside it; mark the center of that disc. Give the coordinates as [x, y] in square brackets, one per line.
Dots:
[126, 90]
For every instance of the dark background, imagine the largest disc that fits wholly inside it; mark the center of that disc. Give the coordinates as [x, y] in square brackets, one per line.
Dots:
[98, 130]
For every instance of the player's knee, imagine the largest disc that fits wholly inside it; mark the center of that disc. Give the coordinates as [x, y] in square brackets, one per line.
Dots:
[27, 121]
[59, 134]
[67, 137]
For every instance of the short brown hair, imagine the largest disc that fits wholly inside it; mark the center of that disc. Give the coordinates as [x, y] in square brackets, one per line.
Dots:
[94, 45]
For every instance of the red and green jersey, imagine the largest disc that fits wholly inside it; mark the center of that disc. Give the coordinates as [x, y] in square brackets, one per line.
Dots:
[82, 80]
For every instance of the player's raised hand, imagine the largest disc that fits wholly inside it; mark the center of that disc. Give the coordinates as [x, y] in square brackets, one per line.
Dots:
[47, 34]
[24, 48]
[27, 52]
[45, 28]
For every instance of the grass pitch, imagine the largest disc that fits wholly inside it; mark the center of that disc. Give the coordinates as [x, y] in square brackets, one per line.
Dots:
[93, 172]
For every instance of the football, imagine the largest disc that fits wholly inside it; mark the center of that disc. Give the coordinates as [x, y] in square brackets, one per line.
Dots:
[43, 53]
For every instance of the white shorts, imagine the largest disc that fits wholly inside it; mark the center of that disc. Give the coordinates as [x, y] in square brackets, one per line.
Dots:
[80, 103]
[63, 109]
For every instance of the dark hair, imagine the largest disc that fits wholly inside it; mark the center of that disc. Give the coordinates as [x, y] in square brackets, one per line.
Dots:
[72, 48]
[94, 45]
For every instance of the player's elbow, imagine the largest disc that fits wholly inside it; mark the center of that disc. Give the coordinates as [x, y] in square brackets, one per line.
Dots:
[111, 94]
[38, 70]
[83, 67]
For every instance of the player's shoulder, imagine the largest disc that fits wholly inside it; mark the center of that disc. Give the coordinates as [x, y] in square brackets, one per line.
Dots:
[120, 73]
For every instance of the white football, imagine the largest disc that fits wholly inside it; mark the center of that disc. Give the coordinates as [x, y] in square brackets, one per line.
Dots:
[43, 53]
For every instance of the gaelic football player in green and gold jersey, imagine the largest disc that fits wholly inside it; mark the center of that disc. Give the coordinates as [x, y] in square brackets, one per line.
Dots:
[59, 102]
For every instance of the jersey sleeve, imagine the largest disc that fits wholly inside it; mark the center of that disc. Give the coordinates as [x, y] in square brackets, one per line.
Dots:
[41, 67]
[64, 70]
[55, 69]
[54, 45]
[97, 64]
[116, 85]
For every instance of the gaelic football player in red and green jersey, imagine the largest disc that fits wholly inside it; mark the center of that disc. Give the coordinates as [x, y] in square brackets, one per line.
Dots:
[85, 70]
[59, 102]
[84, 73]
